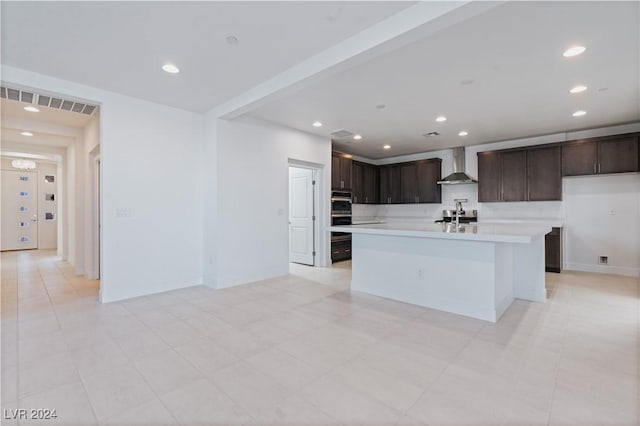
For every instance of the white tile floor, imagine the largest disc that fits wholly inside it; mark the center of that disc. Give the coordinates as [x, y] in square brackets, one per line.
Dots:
[303, 350]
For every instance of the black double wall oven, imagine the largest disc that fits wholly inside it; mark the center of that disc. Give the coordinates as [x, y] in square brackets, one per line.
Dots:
[340, 215]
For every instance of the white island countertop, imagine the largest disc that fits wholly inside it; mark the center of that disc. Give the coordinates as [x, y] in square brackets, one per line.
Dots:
[499, 233]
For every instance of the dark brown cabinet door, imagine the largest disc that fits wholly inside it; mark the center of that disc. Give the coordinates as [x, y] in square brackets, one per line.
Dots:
[428, 173]
[618, 155]
[395, 190]
[335, 172]
[514, 175]
[370, 184]
[357, 179]
[489, 181]
[340, 172]
[389, 177]
[579, 158]
[408, 183]
[345, 171]
[553, 250]
[544, 174]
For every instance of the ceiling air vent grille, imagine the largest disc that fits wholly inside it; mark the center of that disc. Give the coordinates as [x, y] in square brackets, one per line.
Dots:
[13, 94]
[341, 134]
[45, 100]
[26, 97]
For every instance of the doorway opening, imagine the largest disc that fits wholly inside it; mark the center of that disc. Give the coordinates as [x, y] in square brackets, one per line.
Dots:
[56, 138]
[306, 245]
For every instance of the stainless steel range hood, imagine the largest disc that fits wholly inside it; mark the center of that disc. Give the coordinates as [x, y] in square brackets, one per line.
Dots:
[458, 176]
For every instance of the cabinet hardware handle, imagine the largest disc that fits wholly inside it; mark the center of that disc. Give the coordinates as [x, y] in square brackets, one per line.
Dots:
[366, 200]
[598, 167]
[594, 168]
[336, 252]
[346, 250]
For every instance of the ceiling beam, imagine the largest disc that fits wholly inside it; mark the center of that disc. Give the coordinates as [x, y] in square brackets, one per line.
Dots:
[411, 24]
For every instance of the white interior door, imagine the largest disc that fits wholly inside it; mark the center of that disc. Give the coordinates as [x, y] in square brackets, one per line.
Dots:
[301, 216]
[19, 210]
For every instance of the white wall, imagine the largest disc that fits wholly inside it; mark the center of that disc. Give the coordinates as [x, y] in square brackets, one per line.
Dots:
[603, 219]
[151, 168]
[589, 229]
[251, 238]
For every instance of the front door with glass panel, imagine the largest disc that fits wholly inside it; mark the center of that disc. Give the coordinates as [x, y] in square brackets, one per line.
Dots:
[19, 210]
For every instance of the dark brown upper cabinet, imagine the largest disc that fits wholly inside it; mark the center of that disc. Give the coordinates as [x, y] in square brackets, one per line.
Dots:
[357, 196]
[614, 154]
[418, 181]
[365, 183]
[389, 177]
[580, 158]
[514, 175]
[408, 183]
[428, 173]
[340, 171]
[529, 174]
[618, 155]
[544, 177]
[489, 179]
[370, 183]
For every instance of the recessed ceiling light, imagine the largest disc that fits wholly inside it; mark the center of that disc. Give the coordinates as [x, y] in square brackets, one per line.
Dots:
[578, 89]
[579, 113]
[463, 133]
[317, 124]
[232, 40]
[441, 118]
[574, 51]
[357, 137]
[381, 106]
[26, 134]
[467, 82]
[387, 147]
[171, 69]
[31, 109]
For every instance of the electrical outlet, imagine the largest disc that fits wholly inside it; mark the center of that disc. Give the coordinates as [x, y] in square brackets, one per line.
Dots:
[420, 273]
[603, 260]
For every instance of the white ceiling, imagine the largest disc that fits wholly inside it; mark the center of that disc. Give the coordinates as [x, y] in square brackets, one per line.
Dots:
[48, 115]
[513, 55]
[50, 127]
[120, 46]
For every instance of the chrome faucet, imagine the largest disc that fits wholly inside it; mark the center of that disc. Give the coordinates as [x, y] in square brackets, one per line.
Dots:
[459, 210]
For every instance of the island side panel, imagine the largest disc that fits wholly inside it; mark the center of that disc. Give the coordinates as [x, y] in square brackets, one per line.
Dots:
[450, 275]
[504, 270]
[528, 266]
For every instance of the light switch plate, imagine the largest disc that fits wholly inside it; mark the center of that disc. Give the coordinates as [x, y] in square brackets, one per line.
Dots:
[123, 212]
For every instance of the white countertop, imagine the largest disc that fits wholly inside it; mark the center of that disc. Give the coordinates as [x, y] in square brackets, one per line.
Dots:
[553, 222]
[503, 233]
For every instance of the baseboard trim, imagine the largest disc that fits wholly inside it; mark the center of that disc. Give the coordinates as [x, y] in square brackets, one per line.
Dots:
[603, 269]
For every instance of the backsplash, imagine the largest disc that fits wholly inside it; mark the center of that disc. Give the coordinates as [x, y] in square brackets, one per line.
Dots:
[402, 212]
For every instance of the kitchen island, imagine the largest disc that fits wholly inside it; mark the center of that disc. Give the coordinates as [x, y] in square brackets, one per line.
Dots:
[472, 270]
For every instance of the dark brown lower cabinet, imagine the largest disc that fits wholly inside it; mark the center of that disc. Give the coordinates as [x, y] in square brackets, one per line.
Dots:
[340, 251]
[553, 250]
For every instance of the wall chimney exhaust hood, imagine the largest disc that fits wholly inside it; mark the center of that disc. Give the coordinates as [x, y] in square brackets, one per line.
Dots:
[458, 176]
